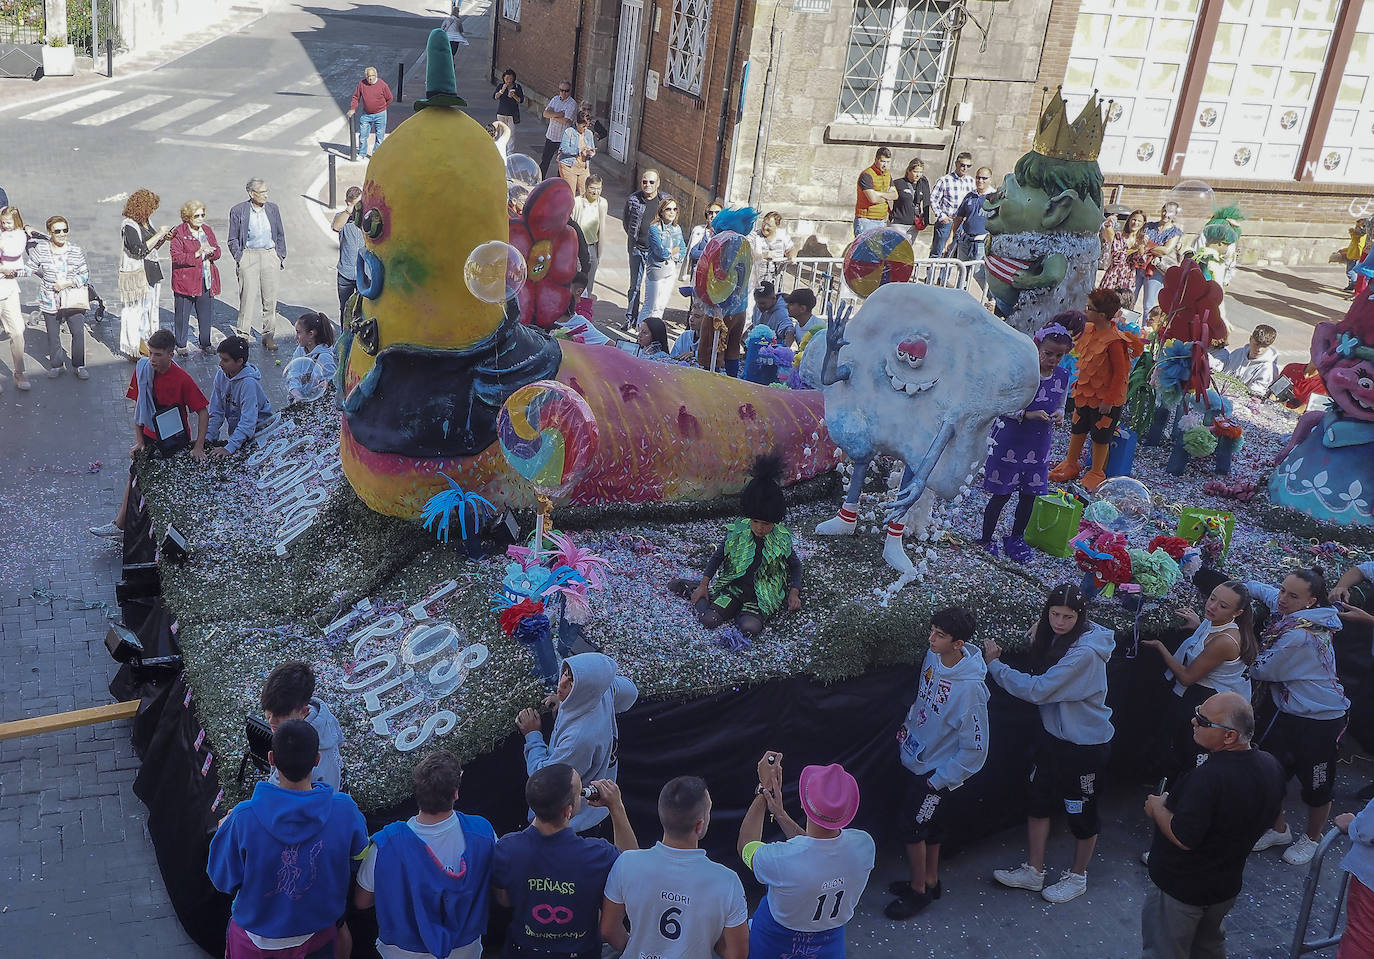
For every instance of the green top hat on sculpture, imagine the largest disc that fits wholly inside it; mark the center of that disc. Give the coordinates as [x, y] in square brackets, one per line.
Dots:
[441, 84]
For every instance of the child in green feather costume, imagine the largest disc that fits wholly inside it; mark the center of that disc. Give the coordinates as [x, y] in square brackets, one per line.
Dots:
[755, 568]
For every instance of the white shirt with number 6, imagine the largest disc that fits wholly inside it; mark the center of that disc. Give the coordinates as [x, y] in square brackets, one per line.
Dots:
[678, 901]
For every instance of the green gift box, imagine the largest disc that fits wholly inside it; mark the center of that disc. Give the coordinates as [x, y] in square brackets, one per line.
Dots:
[1054, 522]
[1193, 523]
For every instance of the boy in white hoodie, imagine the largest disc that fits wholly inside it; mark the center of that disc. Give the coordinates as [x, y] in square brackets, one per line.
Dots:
[237, 398]
[584, 733]
[1256, 364]
[943, 742]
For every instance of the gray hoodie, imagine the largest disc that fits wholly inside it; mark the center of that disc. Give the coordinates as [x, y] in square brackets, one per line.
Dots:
[240, 402]
[1071, 694]
[1302, 662]
[330, 768]
[945, 736]
[584, 734]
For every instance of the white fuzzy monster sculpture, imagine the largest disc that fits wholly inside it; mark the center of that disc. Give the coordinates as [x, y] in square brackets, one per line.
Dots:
[918, 372]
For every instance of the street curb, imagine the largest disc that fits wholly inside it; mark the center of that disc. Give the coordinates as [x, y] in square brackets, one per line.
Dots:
[106, 81]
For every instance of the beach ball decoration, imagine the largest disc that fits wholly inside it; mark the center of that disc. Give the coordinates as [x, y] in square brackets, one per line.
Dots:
[722, 277]
[878, 256]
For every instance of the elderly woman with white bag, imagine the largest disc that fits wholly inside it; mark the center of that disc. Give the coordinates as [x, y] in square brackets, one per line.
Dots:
[140, 273]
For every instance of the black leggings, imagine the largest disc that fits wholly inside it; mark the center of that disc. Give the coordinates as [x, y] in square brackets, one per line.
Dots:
[1099, 426]
[1025, 502]
[713, 616]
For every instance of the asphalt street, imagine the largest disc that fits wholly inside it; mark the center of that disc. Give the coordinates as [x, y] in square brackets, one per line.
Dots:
[77, 874]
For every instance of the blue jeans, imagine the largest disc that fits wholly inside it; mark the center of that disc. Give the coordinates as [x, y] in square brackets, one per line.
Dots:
[970, 250]
[863, 225]
[203, 306]
[1350, 274]
[347, 288]
[370, 122]
[639, 262]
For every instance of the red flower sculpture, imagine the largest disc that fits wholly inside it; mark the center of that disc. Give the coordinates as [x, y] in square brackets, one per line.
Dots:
[1173, 545]
[511, 618]
[549, 246]
[1192, 304]
[1115, 567]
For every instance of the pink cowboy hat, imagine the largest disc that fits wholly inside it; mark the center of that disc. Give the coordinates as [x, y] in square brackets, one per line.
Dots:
[829, 795]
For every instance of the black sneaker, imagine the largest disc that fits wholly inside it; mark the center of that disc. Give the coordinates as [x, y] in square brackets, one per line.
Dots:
[902, 887]
[904, 907]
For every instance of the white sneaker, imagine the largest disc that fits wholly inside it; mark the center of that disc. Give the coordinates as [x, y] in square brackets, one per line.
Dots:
[1070, 886]
[1023, 876]
[1145, 857]
[1272, 838]
[108, 531]
[1301, 852]
[81, 373]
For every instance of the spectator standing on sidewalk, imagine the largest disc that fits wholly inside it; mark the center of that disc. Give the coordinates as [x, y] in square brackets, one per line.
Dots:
[375, 97]
[913, 199]
[1204, 829]
[641, 207]
[429, 876]
[816, 877]
[561, 112]
[350, 245]
[1354, 251]
[969, 231]
[195, 277]
[680, 904]
[14, 243]
[875, 193]
[508, 95]
[589, 211]
[667, 250]
[576, 150]
[547, 870]
[255, 235]
[61, 267]
[945, 197]
[452, 25]
[140, 273]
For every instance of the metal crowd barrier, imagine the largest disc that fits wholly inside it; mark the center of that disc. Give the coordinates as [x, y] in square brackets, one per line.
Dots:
[824, 275]
[1301, 946]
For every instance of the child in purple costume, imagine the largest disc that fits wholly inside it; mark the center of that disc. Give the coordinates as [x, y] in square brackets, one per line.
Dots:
[1019, 461]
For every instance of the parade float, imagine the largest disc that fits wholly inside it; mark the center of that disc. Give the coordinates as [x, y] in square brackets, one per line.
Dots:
[491, 497]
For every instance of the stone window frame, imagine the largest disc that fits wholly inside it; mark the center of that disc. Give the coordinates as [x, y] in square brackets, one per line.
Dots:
[915, 33]
[510, 10]
[687, 41]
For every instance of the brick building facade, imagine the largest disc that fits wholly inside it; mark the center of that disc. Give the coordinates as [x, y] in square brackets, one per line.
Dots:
[782, 102]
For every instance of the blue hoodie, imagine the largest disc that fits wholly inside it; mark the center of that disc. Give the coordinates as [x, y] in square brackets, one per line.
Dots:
[288, 858]
[945, 736]
[423, 907]
[241, 403]
[584, 734]
[1071, 694]
[1302, 662]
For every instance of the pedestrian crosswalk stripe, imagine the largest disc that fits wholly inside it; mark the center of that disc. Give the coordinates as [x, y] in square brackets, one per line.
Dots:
[225, 120]
[67, 106]
[289, 119]
[179, 112]
[326, 133]
[123, 110]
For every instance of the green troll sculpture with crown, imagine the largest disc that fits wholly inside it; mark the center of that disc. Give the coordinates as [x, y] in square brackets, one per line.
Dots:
[1044, 222]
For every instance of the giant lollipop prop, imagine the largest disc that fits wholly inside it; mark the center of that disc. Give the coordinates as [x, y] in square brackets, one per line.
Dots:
[548, 435]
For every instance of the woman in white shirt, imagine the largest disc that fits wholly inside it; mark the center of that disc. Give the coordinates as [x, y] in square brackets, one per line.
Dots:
[1212, 660]
[14, 241]
[589, 212]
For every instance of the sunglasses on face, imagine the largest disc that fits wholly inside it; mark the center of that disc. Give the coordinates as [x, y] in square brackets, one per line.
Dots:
[55, 232]
[980, 178]
[648, 182]
[563, 89]
[1206, 723]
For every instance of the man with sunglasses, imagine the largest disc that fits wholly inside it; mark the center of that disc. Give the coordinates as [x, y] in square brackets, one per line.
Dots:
[1205, 827]
[641, 207]
[949, 191]
[561, 112]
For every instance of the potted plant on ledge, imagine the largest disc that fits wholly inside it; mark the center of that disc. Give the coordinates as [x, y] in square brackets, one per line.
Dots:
[59, 57]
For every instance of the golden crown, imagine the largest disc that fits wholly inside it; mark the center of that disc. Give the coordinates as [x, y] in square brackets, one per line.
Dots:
[1056, 137]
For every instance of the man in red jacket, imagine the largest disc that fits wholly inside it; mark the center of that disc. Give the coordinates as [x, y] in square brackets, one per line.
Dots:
[375, 97]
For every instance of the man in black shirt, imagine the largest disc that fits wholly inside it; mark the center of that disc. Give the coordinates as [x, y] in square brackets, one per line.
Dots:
[641, 207]
[1204, 829]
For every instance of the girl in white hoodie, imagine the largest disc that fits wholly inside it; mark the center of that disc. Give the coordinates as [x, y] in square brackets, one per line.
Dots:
[1068, 682]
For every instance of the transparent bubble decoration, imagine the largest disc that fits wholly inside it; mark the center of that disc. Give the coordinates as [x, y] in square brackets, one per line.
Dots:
[494, 272]
[1196, 203]
[1132, 501]
[523, 170]
[305, 379]
[517, 195]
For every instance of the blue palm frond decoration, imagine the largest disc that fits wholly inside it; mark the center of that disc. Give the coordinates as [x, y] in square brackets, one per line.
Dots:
[438, 510]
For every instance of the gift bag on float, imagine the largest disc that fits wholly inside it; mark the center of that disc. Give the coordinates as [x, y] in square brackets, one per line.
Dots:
[1194, 522]
[1121, 453]
[1054, 523]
